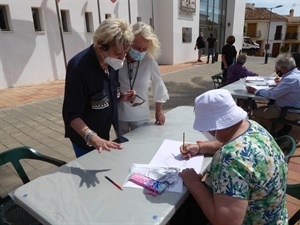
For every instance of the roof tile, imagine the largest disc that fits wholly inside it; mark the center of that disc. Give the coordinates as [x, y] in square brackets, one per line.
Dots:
[262, 14]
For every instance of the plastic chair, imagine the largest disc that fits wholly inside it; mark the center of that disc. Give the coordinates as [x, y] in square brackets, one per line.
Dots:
[10, 213]
[217, 80]
[282, 119]
[294, 191]
[287, 145]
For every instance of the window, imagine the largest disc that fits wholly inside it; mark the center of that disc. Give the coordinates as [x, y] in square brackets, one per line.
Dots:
[3, 18]
[65, 20]
[139, 19]
[186, 34]
[107, 15]
[36, 19]
[151, 23]
[88, 22]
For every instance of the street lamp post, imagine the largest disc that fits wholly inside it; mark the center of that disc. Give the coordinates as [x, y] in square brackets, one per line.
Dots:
[267, 45]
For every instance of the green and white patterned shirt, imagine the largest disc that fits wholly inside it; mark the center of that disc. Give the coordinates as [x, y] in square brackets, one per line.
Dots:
[252, 167]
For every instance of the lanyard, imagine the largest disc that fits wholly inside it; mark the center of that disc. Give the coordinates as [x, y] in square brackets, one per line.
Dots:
[130, 70]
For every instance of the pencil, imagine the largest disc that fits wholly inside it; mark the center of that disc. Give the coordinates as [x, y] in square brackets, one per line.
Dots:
[183, 139]
[114, 183]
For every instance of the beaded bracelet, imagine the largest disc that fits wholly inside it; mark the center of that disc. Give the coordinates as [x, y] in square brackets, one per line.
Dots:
[199, 147]
[88, 136]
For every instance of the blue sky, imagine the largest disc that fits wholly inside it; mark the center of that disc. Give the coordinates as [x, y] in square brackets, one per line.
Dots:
[287, 5]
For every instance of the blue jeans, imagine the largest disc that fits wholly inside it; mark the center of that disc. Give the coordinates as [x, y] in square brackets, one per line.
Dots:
[211, 51]
[79, 151]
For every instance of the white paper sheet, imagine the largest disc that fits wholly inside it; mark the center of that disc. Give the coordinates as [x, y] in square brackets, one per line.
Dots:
[259, 87]
[167, 160]
[169, 155]
[254, 78]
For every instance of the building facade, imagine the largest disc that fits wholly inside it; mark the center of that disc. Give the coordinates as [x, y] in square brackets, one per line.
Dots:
[38, 37]
[281, 33]
[291, 42]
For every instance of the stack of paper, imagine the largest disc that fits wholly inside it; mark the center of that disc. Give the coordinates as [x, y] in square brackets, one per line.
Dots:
[254, 78]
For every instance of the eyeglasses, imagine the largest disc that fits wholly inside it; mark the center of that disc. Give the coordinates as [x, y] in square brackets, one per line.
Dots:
[135, 104]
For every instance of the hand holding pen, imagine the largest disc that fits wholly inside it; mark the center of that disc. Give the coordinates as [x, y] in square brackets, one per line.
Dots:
[189, 150]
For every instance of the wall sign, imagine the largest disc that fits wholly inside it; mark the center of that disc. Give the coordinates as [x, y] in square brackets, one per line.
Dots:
[187, 6]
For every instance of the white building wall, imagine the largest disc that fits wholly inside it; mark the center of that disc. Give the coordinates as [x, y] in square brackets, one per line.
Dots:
[29, 57]
[235, 22]
[184, 51]
[263, 28]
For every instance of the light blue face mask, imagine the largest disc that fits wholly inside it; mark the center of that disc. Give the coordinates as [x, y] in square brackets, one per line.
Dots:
[136, 55]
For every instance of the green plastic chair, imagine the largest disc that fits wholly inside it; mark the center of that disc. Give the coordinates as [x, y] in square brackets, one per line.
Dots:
[10, 213]
[294, 190]
[217, 80]
[287, 145]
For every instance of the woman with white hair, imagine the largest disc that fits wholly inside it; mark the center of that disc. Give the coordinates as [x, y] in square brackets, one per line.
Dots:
[246, 181]
[139, 72]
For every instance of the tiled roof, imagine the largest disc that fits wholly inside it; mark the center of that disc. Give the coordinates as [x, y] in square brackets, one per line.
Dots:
[294, 19]
[262, 14]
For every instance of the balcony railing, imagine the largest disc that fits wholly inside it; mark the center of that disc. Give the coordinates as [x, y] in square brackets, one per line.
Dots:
[256, 34]
[292, 35]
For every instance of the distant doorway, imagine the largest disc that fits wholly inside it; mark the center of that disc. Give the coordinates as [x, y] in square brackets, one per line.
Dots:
[275, 49]
[260, 51]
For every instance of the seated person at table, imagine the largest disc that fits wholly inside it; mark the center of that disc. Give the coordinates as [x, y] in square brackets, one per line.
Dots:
[286, 93]
[238, 70]
[296, 57]
[246, 181]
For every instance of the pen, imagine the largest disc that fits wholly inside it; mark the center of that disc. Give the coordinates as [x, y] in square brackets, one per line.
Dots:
[114, 183]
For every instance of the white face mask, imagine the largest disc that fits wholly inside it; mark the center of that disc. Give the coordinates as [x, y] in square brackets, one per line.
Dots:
[114, 63]
[209, 136]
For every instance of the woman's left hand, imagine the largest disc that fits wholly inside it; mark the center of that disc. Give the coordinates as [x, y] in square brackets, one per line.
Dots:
[190, 176]
[159, 118]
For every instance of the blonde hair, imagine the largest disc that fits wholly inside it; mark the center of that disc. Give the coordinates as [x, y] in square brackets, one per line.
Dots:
[147, 32]
[113, 32]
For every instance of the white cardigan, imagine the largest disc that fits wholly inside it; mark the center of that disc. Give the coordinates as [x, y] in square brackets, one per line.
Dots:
[148, 72]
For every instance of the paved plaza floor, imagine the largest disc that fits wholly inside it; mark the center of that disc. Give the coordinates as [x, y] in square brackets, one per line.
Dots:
[31, 115]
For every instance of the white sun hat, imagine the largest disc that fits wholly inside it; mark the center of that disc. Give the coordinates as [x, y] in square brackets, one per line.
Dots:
[216, 110]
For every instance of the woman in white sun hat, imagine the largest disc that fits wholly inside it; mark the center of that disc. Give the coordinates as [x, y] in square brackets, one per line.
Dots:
[246, 181]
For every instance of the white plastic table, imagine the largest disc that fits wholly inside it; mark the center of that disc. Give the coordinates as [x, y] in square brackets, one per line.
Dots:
[238, 88]
[78, 193]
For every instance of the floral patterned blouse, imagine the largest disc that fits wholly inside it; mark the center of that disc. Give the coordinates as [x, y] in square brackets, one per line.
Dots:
[252, 167]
